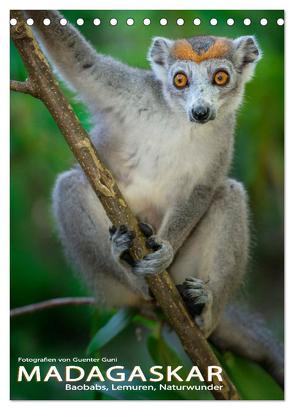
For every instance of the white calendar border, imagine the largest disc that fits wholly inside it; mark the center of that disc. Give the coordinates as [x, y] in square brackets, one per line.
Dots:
[288, 6]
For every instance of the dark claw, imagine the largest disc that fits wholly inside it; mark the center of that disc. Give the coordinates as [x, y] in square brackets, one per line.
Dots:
[126, 256]
[152, 244]
[132, 234]
[146, 229]
[194, 309]
[112, 230]
[198, 309]
[123, 229]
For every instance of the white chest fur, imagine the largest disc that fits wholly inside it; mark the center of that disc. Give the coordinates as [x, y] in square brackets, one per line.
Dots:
[158, 163]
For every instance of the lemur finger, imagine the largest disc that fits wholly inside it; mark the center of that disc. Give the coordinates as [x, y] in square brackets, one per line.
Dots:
[123, 229]
[201, 300]
[155, 262]
[112, 230]
[193, 306]
[146, 229]
[152, 244]
[145, 268]
[195, 294]
[195, 289]
[122, 240]
[194, 283]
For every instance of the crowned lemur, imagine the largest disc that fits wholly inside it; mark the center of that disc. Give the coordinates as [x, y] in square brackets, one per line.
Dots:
[167, 134]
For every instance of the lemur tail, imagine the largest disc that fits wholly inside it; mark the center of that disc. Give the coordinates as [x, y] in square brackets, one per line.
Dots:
[245, 334]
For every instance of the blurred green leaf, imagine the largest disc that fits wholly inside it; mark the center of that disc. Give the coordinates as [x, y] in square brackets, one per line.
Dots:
[164, 355]
[252, 381]
[143, 321]
[116, 324]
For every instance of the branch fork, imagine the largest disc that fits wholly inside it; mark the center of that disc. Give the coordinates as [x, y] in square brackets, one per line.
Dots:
[26, 87]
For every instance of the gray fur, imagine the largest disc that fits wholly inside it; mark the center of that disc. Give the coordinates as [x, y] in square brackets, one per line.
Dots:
[200, 44]
[251, 336]
[173, 172]
[216, 251]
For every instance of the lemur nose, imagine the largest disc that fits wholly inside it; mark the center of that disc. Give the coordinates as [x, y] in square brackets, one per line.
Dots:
[200, 114]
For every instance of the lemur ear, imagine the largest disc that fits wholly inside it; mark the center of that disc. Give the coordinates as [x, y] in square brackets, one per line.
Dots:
[246, 55]
[158, 54]
[246, 51]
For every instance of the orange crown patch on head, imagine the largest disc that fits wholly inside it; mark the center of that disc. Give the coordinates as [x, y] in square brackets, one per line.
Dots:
[183, 50]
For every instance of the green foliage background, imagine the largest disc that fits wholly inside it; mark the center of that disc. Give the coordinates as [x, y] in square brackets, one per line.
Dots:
[39, 153]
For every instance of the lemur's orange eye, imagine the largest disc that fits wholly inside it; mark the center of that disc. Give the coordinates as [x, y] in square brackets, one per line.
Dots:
[180, 80]
[221, 78]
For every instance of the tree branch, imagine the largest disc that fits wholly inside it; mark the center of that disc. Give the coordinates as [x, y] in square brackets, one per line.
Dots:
[115, 206]
[25, 87]
[51, 303]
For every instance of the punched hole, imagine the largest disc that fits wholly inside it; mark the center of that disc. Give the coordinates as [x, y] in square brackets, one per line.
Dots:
[130, 22]
[263, 22]
[280, 22]
[113, 22]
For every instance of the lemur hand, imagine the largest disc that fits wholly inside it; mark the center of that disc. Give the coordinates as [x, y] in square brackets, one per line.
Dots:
[155, 262]
[121, 241]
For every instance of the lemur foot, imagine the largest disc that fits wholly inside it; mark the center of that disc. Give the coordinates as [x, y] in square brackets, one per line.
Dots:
[198, 298]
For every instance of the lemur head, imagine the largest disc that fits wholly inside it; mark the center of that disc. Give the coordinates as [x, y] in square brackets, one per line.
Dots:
[204, 76]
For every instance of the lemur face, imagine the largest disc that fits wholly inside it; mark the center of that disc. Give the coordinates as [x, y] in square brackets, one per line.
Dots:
[204, 76]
